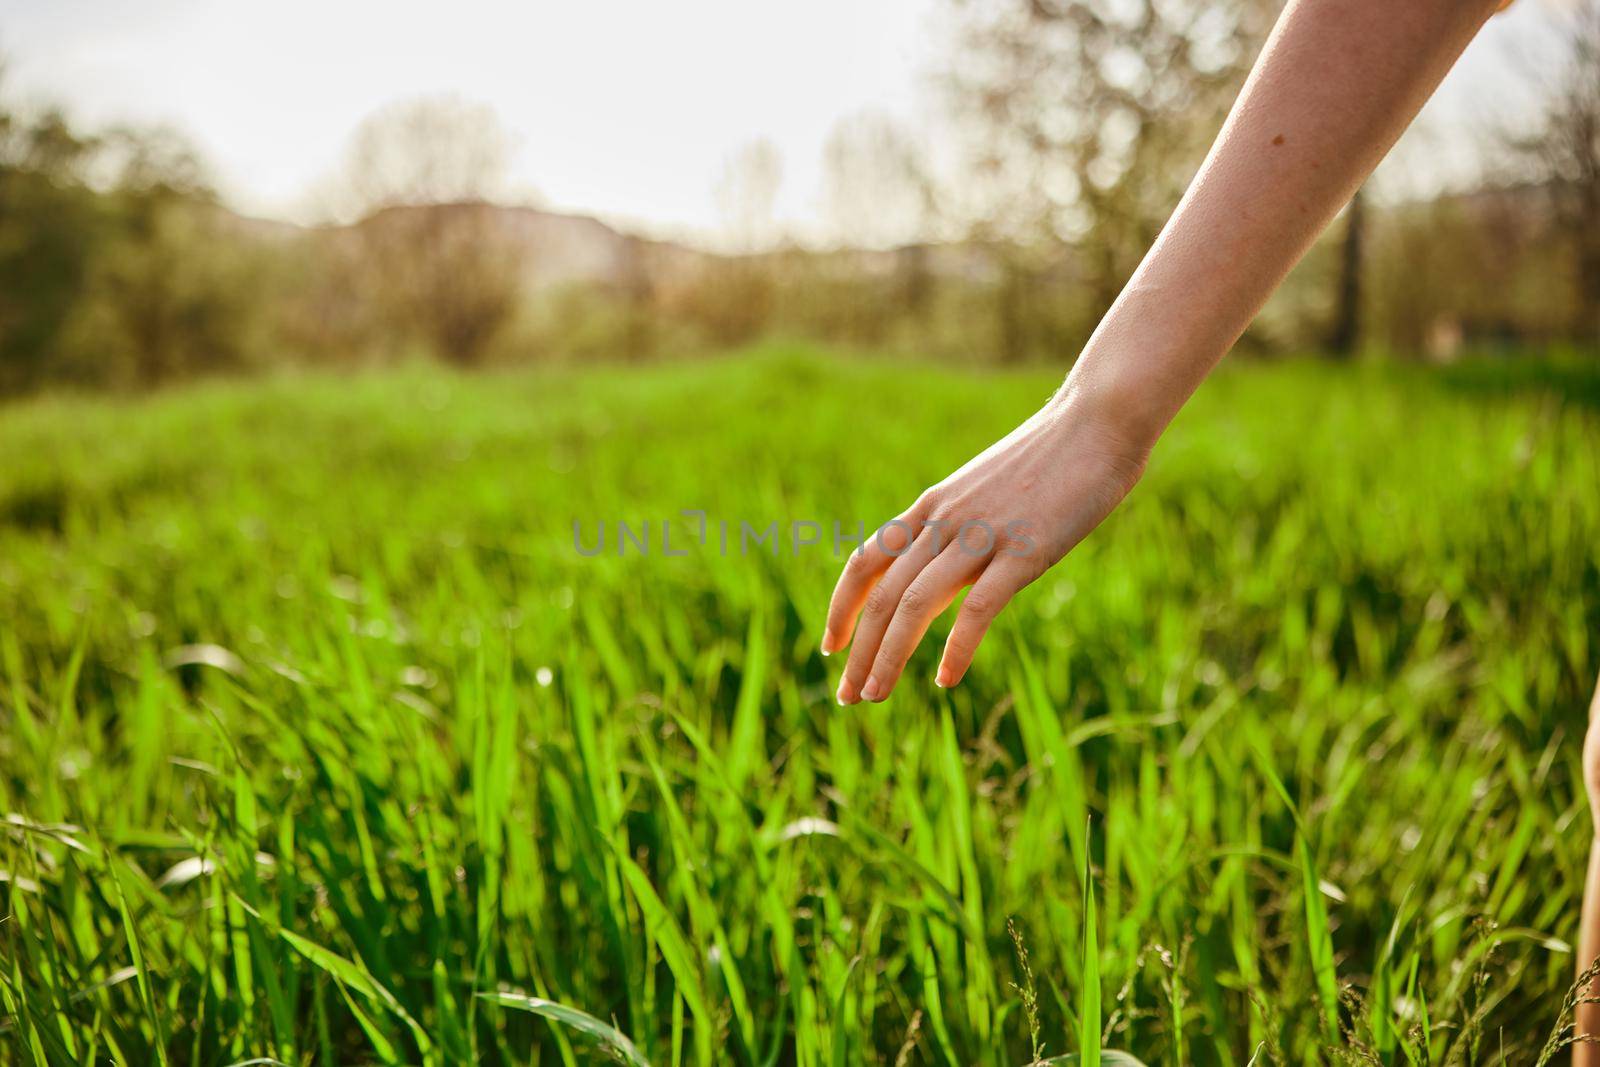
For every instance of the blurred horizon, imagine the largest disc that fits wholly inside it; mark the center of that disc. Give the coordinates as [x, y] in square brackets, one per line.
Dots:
[284, 90]
[963, 180]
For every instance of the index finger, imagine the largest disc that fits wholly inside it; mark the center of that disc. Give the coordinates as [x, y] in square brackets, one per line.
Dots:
[862, 571]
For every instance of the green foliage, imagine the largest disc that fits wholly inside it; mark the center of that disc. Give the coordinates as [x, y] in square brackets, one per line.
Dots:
[50, 230]
[116, 268]
[320, 743]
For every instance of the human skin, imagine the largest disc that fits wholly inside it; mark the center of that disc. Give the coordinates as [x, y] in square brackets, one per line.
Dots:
[1587, 1053]
[1335, 85]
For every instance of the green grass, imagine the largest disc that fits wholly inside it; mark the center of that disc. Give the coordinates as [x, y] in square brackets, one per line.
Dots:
[320, 743]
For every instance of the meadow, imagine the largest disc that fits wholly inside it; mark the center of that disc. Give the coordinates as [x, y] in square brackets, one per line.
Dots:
[320, 742]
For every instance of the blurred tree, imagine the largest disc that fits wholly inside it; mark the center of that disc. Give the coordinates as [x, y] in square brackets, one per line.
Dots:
[50, 227]
[1345, 335]
[876, 187]
[112, 265]
[1565, 148]
[1090, 119]
[1480, 269]
[174, 294]
[878, 194]
[433, 150]
[730, 298]
[634, 290]
[436, 256]
[746, 192]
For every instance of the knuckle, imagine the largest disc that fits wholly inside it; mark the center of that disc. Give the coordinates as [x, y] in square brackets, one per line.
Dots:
[980, 605]
[857, 574]
[915, 600]
[976, 537]
[1028, 570]
[1019, 534]
[880, 601]
[855, 568]
[893, 537]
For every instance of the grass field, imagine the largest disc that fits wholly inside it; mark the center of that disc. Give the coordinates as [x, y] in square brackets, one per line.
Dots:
[321, 743]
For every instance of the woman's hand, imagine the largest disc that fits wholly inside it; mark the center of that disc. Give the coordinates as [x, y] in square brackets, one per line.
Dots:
[996, 524]
[1335, 85]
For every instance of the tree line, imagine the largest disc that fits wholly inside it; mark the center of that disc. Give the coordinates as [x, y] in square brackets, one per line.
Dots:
[1078, 124]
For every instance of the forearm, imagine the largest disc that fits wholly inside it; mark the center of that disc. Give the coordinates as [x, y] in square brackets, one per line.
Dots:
[1336, 84]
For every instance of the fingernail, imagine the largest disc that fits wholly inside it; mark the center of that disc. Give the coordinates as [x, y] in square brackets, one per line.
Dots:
[943, 679]
[844, 696]
[827, 642]
[870, 690]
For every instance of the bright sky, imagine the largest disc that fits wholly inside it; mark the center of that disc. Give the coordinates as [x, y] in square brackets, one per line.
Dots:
[626, 109]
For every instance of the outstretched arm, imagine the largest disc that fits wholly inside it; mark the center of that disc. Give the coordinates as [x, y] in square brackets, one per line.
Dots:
[1334, 87]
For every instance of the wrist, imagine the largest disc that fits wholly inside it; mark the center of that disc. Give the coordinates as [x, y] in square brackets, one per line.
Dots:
[1119, 413]
[1094, 434]
[1149, 353]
